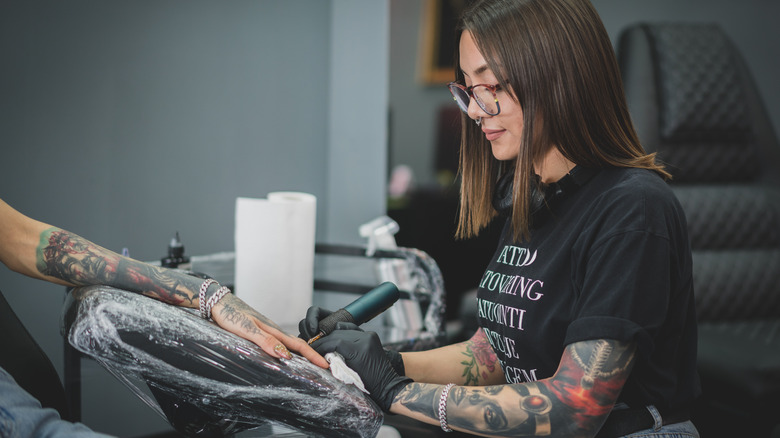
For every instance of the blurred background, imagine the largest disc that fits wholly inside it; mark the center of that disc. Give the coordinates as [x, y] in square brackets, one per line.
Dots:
[126, 122]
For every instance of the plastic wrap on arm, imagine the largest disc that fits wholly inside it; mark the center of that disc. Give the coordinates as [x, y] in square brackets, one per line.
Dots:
[204, 380]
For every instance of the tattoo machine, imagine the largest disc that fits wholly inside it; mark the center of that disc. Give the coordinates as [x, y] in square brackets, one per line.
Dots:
[362, 310]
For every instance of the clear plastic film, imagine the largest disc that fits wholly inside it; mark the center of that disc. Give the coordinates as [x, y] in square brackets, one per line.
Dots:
[203, 380]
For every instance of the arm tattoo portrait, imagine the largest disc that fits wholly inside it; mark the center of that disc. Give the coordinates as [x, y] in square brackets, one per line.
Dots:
[74, 259]
[419, 397]
[573, 402]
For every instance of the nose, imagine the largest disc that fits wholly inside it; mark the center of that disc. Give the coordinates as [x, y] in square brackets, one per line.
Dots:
[475, 112]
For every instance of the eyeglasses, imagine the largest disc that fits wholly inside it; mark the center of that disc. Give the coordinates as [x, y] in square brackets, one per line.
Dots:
[484, 94]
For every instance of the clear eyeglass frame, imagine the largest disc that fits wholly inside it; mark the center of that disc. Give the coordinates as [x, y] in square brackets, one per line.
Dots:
[483, 94]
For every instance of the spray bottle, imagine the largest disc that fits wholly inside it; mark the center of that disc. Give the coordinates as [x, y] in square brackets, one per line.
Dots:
[405, 314]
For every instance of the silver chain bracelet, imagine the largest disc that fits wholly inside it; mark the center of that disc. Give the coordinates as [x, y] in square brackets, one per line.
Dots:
[212, 301]
[202, 297]
[443, 407]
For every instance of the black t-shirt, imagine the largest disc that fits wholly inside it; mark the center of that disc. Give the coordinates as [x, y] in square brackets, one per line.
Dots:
[612, 260]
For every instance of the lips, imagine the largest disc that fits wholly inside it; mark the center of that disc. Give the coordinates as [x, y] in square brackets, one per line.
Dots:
[493, 134]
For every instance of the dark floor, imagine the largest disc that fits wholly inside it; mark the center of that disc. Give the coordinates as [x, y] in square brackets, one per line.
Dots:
[413, 429]
[409, 428]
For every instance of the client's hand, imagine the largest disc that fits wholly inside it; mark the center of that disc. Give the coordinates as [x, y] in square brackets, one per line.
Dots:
[363, 353]
[235, 316]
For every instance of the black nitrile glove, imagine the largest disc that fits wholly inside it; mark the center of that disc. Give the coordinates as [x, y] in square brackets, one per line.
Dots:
[363, 353]
[309, 326]
[396, 361]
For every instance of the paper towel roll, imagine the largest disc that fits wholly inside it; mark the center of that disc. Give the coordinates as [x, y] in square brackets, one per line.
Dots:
[274, 242]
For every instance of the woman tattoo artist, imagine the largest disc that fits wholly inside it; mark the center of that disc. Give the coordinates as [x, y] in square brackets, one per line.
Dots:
[48, 253]
[586, 312]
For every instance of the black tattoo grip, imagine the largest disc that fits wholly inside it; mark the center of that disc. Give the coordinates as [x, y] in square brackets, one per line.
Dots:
[363, 309]
[328, 324]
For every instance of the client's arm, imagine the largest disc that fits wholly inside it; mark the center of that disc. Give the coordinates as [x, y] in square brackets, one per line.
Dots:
[41, 251]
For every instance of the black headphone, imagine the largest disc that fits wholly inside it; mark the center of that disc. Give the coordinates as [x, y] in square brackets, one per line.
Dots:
[543, 196]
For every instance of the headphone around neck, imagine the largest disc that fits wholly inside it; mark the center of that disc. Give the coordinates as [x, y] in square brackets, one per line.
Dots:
[543, 196]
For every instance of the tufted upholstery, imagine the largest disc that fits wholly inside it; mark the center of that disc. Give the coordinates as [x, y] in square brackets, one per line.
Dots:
[694, 103]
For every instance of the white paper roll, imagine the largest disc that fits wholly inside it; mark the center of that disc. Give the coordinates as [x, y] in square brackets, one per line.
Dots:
[274, 242]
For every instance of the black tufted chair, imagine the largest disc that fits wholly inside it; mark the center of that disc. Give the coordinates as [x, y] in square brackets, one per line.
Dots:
[694, 102]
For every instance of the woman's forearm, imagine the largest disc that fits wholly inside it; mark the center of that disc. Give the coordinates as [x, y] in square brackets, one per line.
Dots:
[472, 362]
[573, 403]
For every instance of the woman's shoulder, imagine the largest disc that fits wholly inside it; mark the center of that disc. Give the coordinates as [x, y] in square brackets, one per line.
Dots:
[631, 198]
[634, 184]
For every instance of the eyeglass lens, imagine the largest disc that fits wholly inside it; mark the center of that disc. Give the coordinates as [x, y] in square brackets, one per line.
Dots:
[483, 95]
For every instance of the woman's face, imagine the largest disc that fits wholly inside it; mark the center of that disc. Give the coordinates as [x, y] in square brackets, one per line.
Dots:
[504, 130]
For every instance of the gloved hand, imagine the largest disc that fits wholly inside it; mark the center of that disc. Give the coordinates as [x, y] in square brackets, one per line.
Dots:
[363, 353]
[309, 326]
[396, 361]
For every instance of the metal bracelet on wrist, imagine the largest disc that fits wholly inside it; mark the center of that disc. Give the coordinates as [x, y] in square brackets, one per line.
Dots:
[202, 297]
[443, 407]
[214, 299]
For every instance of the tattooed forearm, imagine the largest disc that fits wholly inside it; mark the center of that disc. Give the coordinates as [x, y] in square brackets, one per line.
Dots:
[164, 284]
[590, 377]
[492, 416]
[478, 354]
[574, 402]
[419, 397]
[71, 258]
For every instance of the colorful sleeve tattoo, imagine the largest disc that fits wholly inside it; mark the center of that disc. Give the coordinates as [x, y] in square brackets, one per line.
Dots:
[78, 261]
[480, 359]
[574, 402]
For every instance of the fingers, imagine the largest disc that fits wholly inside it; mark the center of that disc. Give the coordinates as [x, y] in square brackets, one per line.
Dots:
[301, 347]
[279, 345]
[344, 325]
[270, 343]
[309, 326]
[235, 316]
[344, 341]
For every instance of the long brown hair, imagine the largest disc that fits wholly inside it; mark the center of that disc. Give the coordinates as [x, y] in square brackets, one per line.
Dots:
[556, 60]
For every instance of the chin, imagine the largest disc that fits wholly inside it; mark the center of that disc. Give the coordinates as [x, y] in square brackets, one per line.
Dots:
[502, 154]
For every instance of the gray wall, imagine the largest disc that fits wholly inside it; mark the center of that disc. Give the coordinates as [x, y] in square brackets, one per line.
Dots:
[751, 24]
[128, 121]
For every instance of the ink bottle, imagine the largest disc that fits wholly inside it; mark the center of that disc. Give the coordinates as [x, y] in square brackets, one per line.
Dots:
[176, 257]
